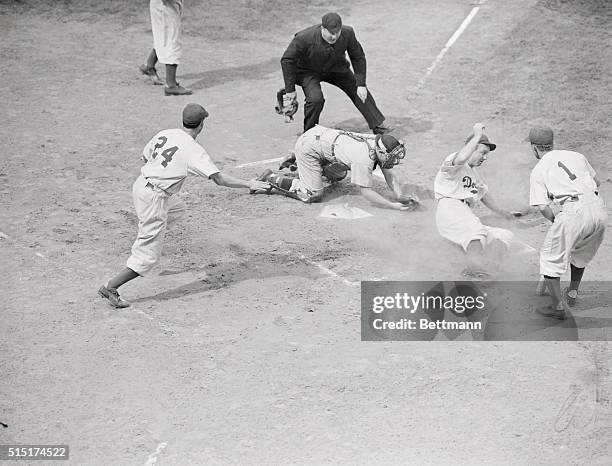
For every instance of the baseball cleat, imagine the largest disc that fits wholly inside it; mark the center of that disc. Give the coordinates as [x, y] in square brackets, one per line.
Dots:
[548, 311]
[177, 90]
[152, 73]
[288, 162]
[112, 295]
[147, 71]
[570, 296]
[475, 274]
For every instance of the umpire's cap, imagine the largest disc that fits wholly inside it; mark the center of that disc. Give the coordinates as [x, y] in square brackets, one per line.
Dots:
[332, 22]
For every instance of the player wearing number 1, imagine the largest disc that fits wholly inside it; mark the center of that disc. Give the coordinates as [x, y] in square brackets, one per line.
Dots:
[567, 179]
[169, 157]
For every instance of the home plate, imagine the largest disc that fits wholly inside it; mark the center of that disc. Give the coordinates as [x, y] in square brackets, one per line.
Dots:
[343, 211]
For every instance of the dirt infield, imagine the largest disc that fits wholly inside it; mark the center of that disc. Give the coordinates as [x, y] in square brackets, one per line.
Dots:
[244, 346]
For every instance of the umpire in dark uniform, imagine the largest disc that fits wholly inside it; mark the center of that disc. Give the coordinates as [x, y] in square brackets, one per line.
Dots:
[318, 54]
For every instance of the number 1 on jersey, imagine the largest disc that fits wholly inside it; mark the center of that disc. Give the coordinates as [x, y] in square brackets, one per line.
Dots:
[572, 177]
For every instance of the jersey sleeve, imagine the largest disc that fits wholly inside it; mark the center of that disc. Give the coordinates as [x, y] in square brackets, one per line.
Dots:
[590, 168]
[449, 169]
[201, 164]
[148, 150]
[361, 175]
[538, 193]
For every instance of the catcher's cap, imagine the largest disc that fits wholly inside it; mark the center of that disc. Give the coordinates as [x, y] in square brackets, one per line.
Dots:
[540, 135]
[483, 140]
[332, 22]
[387, 143]
[193, 115]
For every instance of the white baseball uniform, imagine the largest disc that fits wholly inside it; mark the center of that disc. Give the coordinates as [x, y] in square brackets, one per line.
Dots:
[166, 27]
[567, 178]
[170, 156]
[457, 188]
[319, 144]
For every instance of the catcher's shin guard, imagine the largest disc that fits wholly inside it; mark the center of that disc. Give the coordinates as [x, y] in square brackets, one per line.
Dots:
[284, 185]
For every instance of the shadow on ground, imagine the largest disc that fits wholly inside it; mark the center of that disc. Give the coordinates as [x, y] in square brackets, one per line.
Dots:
[213, 78]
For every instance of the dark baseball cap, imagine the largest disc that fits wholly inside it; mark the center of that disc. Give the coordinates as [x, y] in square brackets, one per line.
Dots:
[193, 115]
[483, 140]
[540, 135]
[332, 22]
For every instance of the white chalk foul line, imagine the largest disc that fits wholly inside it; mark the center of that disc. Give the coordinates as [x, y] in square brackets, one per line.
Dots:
[450, 43]
[421, 83]
[161, 325]
[327, 271]
[259, 162]
[153, 456]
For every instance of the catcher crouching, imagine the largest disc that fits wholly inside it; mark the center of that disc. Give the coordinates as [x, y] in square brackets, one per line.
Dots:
[331, 153]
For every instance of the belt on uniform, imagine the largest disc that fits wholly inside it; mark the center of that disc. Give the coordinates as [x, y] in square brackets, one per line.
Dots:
[465, 201]
[152, 187]
[575, 197]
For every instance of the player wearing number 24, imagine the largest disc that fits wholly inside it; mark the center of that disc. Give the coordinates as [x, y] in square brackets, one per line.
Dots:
[169, 157]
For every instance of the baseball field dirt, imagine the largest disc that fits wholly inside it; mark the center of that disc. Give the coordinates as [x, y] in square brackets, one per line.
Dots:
[244, 346]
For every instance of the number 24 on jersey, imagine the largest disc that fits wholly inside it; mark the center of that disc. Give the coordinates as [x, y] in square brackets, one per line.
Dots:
[167, 154]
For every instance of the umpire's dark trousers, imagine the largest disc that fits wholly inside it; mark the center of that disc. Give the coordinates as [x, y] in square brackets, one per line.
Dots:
[311, 85]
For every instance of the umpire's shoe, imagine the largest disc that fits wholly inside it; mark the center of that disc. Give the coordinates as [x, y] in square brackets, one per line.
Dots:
[382, 129]
[112, 295]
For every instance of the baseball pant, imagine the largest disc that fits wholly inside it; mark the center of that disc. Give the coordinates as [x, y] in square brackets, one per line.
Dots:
[575, 235]
[156, 210]
[166, 26]
[311, 85]
[457, 223]
[309, 158]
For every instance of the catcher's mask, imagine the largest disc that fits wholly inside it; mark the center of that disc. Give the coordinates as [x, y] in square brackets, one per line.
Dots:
[388, 151]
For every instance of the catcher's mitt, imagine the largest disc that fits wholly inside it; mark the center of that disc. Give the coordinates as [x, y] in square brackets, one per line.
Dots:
[410, 200]
[285, 106]
[335, 171]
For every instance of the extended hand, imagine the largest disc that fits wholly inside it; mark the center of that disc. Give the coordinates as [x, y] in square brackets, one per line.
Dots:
[478, 129]
[255, 185]
[402, 207]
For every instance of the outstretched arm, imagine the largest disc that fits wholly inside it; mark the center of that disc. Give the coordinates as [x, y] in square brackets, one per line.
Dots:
[223, 179]
[487, 200]
[381, 201]
[464, 154]
[392, 182]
